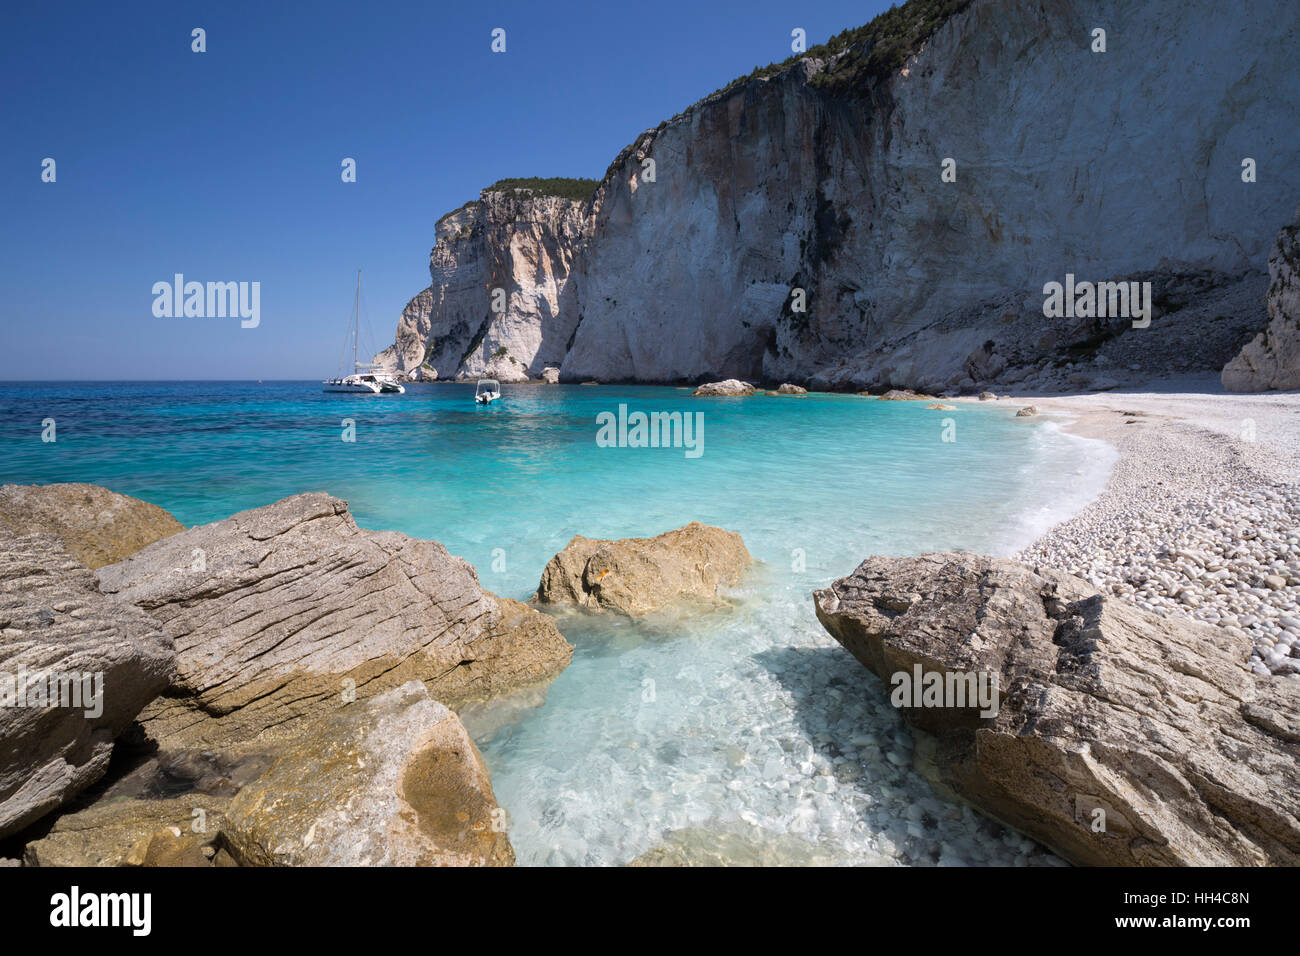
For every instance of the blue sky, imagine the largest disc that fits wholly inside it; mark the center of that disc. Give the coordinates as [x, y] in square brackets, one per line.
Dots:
[225, 165]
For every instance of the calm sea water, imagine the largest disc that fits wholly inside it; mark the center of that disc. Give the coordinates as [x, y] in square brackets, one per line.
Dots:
[746, 725]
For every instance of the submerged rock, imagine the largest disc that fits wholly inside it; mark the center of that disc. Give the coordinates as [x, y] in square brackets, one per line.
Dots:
[1029, 411]
[903, 395]
[941, 407]
[392, 781]
[731, 386]
[109, 661]
[285, 611]
[97, 526]
[1272, 359]
[1121, 738]
[737, 847]
[636, 576]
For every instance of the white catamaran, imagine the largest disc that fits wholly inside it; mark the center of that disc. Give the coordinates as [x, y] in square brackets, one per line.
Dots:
[366, 379]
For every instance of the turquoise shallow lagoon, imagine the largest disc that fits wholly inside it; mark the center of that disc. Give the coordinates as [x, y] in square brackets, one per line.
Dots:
[746, 724]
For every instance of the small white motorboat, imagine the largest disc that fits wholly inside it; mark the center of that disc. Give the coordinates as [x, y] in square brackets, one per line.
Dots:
[487, 391]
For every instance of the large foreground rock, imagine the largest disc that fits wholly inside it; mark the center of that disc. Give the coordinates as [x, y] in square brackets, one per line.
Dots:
[1272, 359]
[639, 575]
[393, 781]
[97, 526]
[54, 623]
[288, 610]
[1154, 721]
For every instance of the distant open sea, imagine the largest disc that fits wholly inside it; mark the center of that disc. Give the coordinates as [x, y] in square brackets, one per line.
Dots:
[749, 722]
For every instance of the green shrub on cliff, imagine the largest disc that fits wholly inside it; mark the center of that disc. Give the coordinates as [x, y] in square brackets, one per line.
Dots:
[874, 50]
[562, 186]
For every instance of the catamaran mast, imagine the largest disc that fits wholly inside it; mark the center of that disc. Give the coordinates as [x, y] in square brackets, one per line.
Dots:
[356, 321]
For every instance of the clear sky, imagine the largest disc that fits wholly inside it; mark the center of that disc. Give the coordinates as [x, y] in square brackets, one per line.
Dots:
[225, 165]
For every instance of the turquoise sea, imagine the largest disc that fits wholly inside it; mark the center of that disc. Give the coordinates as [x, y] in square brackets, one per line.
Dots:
[747, 726]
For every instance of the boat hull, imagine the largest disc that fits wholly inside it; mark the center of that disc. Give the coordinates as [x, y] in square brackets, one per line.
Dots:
[350, 388]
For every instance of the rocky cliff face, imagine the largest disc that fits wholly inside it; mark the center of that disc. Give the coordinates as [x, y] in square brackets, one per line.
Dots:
[461, 326]
[1272, 359]
[799, 229]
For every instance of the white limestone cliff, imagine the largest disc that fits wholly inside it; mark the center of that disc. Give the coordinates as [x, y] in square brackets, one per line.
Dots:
[1272, 359]
[1119, 165]
[521, 245]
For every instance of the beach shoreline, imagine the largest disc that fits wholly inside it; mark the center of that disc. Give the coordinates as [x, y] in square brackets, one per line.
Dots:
[1200, 515]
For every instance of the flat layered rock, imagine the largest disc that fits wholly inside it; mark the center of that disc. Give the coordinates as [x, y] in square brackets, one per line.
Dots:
[392, 781]
[97, 526]
[637, 576]
[731, 386]
[286, 611]
[75, 670]
[127, 832]
[1122, 737]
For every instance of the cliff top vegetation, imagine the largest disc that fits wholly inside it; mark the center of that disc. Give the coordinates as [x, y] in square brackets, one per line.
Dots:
[873, 50]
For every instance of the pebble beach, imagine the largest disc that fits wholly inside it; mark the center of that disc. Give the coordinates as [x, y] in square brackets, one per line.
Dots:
[1201, 514]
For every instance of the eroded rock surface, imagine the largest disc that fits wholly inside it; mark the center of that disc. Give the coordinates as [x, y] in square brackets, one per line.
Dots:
[283, 611]
[110, 660]
[637, 576]
[97, 526]
[1154, 721]
[392, 781]
[1272, 359]
[183, 831]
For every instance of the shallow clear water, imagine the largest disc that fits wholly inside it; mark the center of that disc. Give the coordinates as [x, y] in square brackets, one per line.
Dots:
[748, 721]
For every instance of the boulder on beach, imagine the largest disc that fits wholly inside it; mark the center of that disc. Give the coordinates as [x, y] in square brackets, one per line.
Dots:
[391, 781]
[637, 576]
[1272, 359]
[731, 386]
[1029, 411]
[75, 670]
[788, 389]
[97, 526]
[1120, 737]
[987, 397]
[288, 610]
[551, 375]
